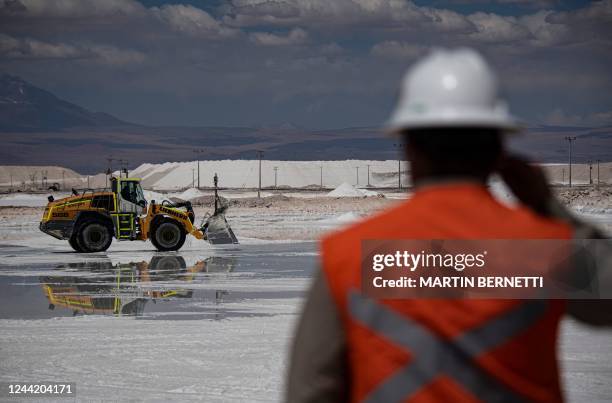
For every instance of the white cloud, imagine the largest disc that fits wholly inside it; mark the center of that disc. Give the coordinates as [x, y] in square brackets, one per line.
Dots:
[496, 28]
[294, 37]
[331, 49]
[28, 48]
[317, 12]
[191, 20]
[185, 19]
[398, 50]
[70, 8]
[336, 47]
[113, 56]
[529, 3]
[13, 48]
[545, 33]
[446, 20]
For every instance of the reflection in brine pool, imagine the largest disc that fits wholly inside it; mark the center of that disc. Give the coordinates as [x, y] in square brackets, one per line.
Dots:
[124, 289]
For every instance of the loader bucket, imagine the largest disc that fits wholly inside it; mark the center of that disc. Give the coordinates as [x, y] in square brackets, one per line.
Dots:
[218, 231]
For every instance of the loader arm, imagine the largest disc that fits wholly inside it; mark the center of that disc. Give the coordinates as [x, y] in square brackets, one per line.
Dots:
[157, 211]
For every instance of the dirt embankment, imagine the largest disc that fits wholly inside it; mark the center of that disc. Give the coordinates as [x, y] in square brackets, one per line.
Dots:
[577, 197]
[280, 203]
[587, 198]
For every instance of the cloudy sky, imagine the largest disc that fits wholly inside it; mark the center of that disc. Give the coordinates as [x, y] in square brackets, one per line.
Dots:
[310, 63]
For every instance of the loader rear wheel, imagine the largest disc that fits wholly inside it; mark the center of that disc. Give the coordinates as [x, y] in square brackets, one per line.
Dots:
[94, 236]
[74, 244]
[168, 235]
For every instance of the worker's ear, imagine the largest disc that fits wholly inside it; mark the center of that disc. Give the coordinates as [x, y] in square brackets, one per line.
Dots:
[527, 182]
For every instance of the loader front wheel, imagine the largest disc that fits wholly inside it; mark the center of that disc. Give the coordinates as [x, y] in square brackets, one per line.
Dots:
[74, 243]
[168, 235]
[94, 236]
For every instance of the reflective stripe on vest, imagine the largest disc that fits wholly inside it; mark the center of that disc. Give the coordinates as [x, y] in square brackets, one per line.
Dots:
[432, 356]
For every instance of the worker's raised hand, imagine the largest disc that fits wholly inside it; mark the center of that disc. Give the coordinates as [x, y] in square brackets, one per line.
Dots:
[527, 182]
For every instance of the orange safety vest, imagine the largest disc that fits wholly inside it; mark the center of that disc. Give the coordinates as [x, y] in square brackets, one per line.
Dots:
[445, 350]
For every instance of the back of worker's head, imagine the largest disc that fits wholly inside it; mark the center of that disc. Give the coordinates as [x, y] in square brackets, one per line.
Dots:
[450, 116]
[447, 153]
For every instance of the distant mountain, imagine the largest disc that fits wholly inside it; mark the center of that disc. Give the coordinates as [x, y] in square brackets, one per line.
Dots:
[36, 127]
[26, 108]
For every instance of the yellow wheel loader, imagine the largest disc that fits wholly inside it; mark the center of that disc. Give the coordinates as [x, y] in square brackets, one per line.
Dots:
[90, 219]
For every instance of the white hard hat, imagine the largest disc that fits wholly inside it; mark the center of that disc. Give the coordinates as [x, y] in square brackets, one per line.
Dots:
[451, 88]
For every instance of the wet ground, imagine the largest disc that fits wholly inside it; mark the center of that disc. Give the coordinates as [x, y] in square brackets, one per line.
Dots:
[207, 324]
[169, 286]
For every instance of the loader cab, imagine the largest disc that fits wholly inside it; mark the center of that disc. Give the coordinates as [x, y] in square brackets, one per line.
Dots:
[129, 194]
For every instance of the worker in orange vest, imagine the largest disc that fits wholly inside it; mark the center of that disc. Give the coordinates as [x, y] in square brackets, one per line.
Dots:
[350, 347]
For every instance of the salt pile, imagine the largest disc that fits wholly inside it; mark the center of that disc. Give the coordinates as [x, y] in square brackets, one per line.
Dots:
[346, 190]
[190, 194]
[158, 197]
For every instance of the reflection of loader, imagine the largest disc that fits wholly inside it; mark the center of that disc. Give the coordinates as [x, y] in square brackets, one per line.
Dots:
[89, 220]
[122, 289]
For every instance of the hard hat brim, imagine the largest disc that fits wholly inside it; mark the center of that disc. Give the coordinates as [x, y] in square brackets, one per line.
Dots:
[503, 122]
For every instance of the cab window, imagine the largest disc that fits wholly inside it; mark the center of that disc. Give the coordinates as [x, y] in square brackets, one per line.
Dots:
[132, 192]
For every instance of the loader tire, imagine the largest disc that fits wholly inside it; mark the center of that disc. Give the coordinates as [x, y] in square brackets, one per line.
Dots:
[94, 236]
[168, 235]
[74, 243]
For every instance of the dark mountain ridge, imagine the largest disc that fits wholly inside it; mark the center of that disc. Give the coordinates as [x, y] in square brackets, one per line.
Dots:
[37, 127]
[24, 107]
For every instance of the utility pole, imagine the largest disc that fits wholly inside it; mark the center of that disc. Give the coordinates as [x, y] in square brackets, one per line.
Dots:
[598, 161]
[260, 154]
[357, 168]
[399, 166]
[399, 173]
[88, 182]
[368, 175]
[123, 167]
[216, 185]
[321, 176]
[198, 151]
[109, 170]
[590, 172]
[275, 176]
[110, 163]
[563, 171]
[569, 139]
[192, 177]
[64, 180]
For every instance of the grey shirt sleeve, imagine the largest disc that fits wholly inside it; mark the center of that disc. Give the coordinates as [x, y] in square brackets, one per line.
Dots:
[318, 364]
[596, 312]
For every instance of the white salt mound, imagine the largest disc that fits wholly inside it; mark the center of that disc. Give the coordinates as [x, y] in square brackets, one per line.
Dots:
[346, 190]
[158, 197]
[190, 193]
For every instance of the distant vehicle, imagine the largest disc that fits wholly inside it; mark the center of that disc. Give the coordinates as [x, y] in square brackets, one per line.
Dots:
[90, 219]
